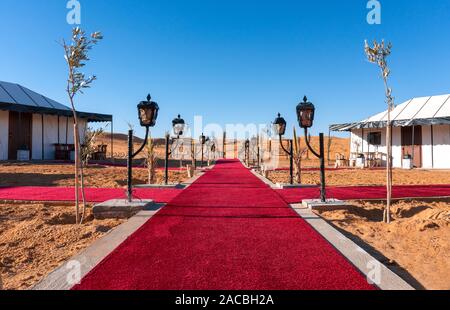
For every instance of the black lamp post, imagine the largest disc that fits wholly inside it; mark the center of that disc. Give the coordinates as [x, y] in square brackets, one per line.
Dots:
[247, 152]
[280, 130]
[203, 139]
[148, 114]
[178, 125]
[305, 115]
[213, 150]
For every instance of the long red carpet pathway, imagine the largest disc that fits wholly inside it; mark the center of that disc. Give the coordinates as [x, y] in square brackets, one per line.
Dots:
[228, 231]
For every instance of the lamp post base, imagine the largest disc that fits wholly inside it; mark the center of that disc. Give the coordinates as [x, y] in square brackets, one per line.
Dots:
[120, 208]
[290, 186]
[318, 204]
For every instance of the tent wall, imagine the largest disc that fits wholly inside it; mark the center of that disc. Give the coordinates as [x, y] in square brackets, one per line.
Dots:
[360, 143]
[4, 128]
[435, 145]
[397, 147]
[51, 134]
[427, 151]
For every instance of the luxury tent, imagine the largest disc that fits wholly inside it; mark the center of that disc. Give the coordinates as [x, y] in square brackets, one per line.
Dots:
[420, 134]
[36, 124]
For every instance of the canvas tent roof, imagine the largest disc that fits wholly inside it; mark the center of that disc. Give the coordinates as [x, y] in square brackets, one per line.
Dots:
[433, 110]
[14, 97]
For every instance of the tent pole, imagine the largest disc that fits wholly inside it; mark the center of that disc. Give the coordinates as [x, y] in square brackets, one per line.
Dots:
[329, 145]
[413, 142]
[112, 140]
[58, 131]
[42, 136]
[67, 129]
[362, 140]
[432, 147]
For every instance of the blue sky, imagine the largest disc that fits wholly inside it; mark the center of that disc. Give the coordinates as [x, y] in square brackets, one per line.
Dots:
[231, 61]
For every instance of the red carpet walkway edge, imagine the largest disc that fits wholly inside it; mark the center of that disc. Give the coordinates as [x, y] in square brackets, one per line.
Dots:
[93, 195]
[296, 195]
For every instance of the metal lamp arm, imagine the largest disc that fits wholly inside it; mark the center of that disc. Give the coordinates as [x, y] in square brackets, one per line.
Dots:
[309, 145]
[176, 146]
[143, 145]
[282, 146]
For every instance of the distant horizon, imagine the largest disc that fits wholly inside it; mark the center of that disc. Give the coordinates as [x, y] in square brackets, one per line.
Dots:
[235, 62]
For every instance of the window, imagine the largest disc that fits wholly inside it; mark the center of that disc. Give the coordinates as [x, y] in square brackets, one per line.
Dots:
[375, 138]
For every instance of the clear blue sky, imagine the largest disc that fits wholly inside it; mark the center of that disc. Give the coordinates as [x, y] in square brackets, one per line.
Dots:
[231, 61]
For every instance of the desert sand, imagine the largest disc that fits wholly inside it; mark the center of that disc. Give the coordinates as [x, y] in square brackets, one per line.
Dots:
[416, 245]
[37, 238]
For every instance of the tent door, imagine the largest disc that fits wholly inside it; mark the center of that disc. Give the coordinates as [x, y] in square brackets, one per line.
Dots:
[410, 148]
[19, 133]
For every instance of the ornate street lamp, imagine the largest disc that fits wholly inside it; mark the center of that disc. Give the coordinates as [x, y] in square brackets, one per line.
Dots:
[280, 125]
[305, 115]
[148, 114]
[178, 126]
[280, 130]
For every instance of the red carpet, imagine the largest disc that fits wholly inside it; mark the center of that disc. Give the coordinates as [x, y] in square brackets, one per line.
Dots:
[228, 231]
[92, 194]
[296, 195]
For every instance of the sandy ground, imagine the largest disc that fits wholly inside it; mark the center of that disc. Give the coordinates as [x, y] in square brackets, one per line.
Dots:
[336, 146]
[26, 174]
[120, 145]
[416, 244]
[37, 238]
[355, 177]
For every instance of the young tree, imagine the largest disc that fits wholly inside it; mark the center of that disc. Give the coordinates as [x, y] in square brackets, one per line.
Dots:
[150, 160]
[299, 153]
[378, 54]
[297, 158]
[89, 146]
[76, 56]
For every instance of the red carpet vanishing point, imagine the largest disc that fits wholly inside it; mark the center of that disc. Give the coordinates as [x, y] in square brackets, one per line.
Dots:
[228, 231]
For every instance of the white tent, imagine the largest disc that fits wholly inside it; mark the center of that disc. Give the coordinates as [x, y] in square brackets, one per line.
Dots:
[421, 130]
[35, 123]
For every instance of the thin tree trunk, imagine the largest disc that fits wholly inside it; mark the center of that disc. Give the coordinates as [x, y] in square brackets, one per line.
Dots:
[387, 217]
[387, 213]
[81, 171]
[77, 183]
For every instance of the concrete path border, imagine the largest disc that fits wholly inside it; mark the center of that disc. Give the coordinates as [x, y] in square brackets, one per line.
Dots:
[264, 179]
[373, 269]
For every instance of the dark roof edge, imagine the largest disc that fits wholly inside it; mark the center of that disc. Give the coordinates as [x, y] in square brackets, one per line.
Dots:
[400, 123]
[91, 117]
